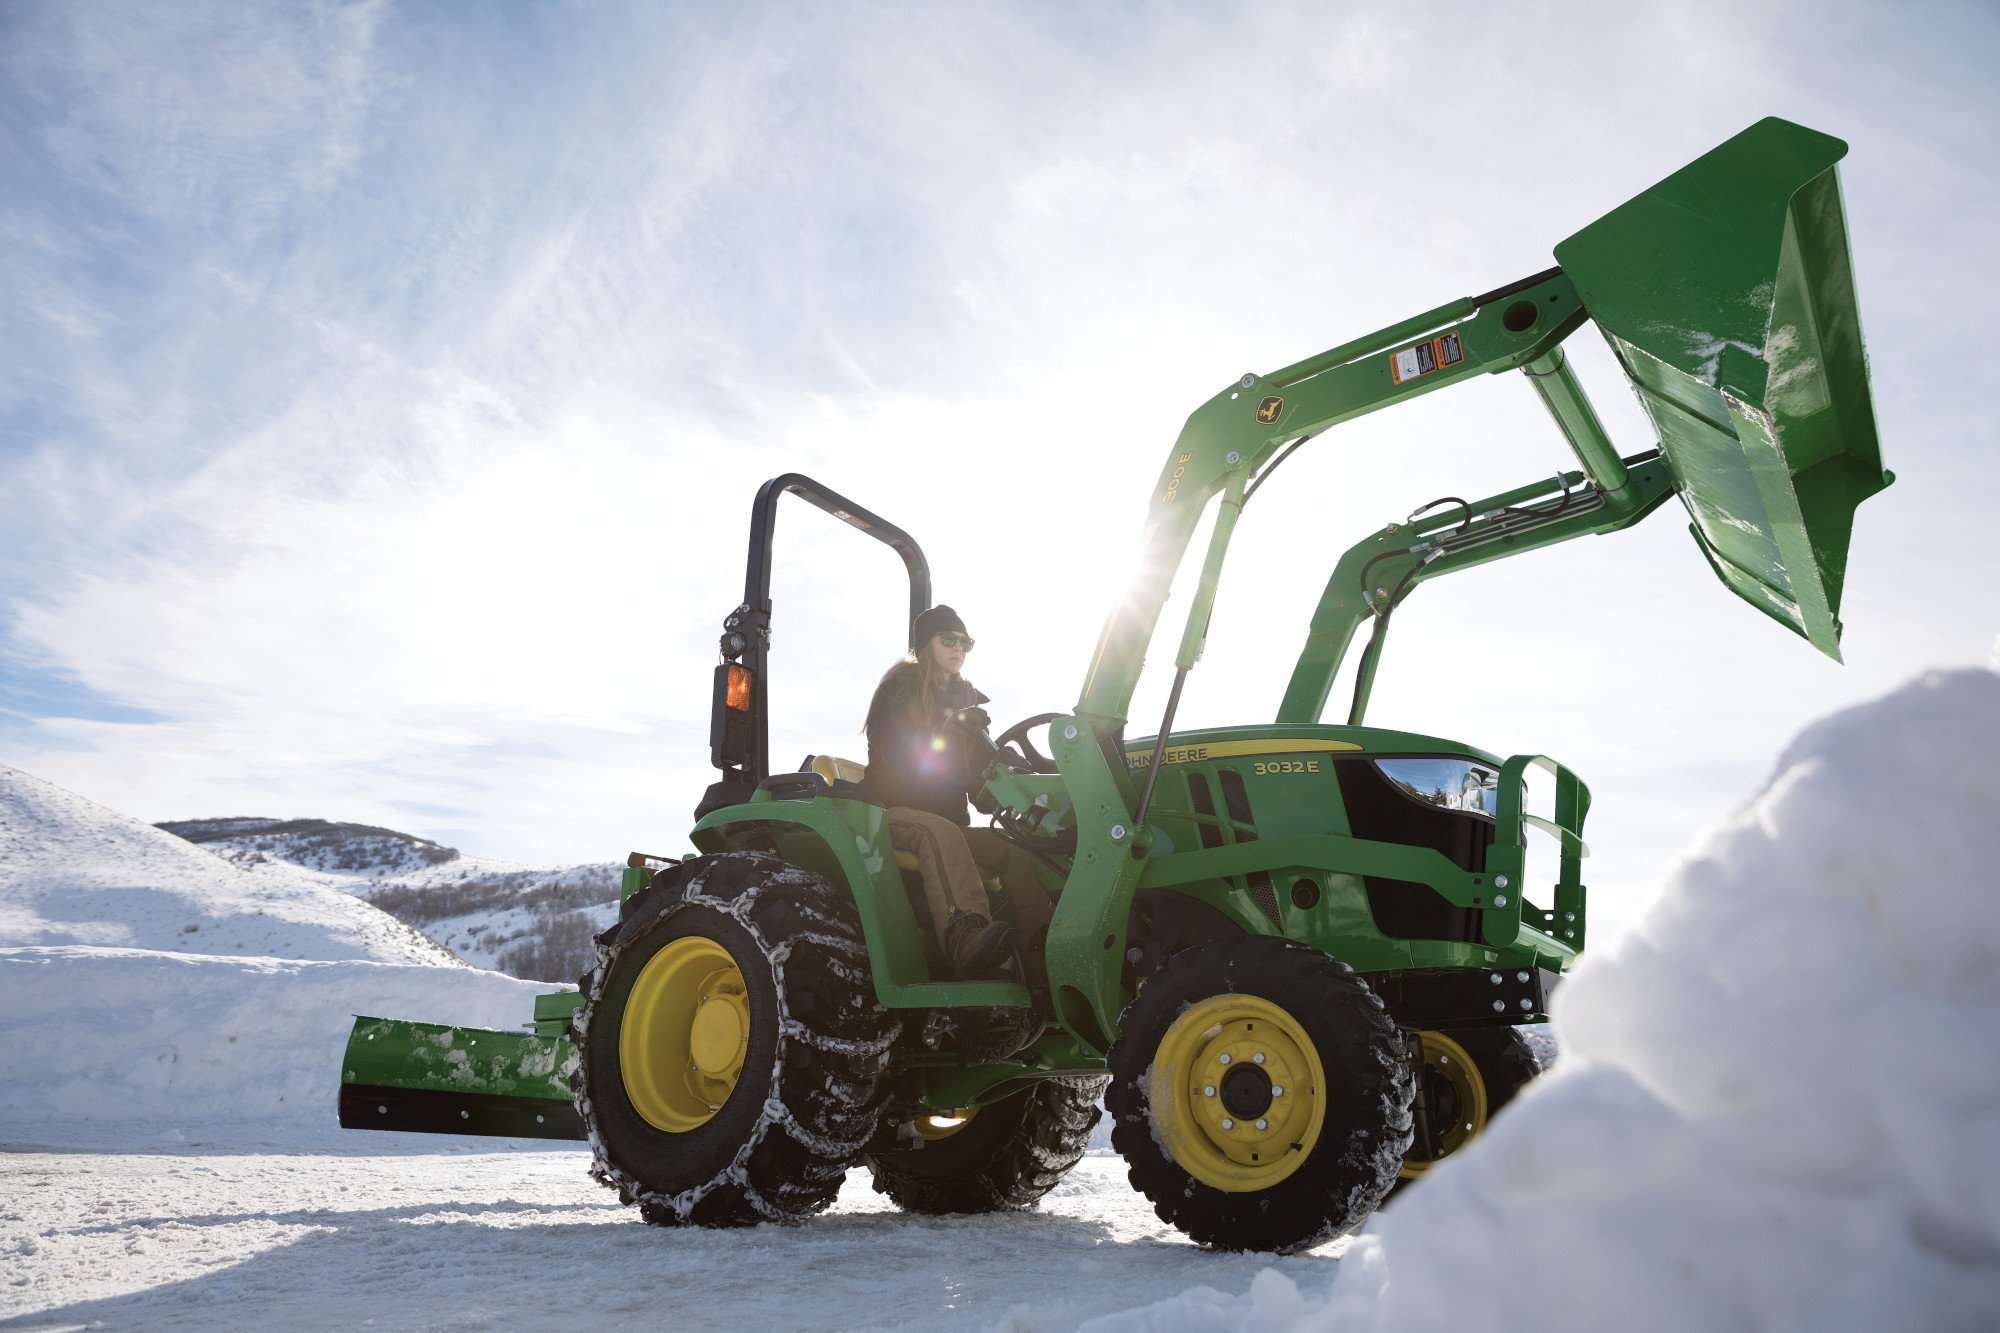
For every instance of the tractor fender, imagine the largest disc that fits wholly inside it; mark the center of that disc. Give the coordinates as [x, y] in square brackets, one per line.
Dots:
[847, 842]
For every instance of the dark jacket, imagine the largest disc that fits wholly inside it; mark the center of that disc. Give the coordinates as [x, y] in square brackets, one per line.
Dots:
[924, 767]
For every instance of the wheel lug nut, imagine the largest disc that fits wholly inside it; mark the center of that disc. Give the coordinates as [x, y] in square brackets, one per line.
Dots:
[1208, 1091]
[1258, 1057]
[1263, 1124]
[1277, 1091]
[1227, 1123]
[1223, 1058]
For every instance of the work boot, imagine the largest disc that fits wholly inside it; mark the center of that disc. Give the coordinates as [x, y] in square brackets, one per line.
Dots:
[975, 946]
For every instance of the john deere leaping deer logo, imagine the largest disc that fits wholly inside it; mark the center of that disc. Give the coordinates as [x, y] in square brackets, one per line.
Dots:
[1269, 410]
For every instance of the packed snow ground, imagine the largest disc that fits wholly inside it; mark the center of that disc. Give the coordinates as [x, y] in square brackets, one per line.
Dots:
[1775, 1110]
[405, 1233]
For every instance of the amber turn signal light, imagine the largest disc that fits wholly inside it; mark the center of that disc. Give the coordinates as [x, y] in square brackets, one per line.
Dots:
[738, 697]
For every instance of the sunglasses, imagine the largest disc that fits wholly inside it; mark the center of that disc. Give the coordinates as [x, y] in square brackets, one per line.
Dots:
[951, 640]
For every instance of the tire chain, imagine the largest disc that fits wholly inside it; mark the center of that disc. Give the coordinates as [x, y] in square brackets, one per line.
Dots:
[826, 1095]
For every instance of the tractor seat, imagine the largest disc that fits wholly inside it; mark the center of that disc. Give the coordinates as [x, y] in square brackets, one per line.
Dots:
[835, 769]
[843, 777]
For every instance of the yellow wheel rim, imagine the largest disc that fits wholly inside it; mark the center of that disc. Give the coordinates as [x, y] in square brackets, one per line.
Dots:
[1446, 1062]
[1237, 1093]
[685, 1030]
[935, 1125]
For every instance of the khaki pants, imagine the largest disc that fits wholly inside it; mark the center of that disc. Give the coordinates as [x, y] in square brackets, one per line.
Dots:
[1029, 902]
[950, 859]
[944, 860]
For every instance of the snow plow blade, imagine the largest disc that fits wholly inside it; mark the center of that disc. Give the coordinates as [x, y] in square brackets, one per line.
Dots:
[1727, 293]
[424, 1078]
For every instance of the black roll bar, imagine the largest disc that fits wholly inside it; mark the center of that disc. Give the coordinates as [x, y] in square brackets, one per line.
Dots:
[746, 631]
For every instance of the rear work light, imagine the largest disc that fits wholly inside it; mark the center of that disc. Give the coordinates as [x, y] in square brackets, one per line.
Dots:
[732, 723]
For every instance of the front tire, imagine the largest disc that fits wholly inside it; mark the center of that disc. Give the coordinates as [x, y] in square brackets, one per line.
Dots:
[1260, 1095]
[1000, 1158]
[729, 1047]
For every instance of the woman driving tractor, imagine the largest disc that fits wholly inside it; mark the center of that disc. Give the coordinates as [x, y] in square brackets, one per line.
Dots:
[922, 763]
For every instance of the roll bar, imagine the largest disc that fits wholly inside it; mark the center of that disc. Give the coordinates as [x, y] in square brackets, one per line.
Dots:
[739, 735]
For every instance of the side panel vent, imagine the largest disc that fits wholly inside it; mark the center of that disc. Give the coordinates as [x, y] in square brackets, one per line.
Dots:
[1257, 881]
[1202, 801]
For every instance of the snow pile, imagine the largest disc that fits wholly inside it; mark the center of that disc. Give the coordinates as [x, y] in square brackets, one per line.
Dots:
[1779, 1105]
[150, 981]
[171, 1039]
[73, 872]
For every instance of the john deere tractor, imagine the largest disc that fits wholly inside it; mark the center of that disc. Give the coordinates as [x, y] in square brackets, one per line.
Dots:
[1291, 957]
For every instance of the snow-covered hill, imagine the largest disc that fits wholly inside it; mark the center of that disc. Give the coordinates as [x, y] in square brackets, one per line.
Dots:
[521, 920]
[316, 844]
[73, 872]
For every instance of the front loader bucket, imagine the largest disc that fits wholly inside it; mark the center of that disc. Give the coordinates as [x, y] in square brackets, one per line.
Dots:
[429, 1079]
[1727, 293]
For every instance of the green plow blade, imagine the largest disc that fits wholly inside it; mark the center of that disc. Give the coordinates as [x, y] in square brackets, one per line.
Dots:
[429, 1079]
[1727, 293]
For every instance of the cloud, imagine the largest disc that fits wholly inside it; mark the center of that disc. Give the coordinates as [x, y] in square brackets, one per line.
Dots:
[202, 113]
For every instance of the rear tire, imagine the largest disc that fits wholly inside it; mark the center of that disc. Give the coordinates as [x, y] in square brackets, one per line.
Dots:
[1468, 1075]
[1241, 1153]
[1003, 1158]
[1505, 1060]
[729, 1047]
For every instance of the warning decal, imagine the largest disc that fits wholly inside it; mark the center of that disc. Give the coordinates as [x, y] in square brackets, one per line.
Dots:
[1425, 357]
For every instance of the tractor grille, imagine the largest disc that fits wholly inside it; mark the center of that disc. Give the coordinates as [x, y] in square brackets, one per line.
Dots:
[1382, 812]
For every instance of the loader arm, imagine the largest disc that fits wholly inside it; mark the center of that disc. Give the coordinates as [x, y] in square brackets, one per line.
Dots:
[1239, 430]
[1725, 292]
[1376, 573]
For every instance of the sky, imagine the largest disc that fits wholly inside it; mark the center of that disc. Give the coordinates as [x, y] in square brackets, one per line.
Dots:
[387, 386]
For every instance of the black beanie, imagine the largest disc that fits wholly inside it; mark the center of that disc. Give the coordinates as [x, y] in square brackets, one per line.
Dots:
[935, 621]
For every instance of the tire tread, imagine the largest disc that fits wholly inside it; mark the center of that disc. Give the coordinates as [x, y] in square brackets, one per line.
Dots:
[1347, 1175]
[1045, 1136]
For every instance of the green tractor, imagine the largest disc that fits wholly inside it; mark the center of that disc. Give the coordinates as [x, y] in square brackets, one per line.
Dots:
[1291, 957]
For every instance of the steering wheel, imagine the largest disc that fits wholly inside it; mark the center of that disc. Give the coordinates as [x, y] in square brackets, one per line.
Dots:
[1018, 735]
